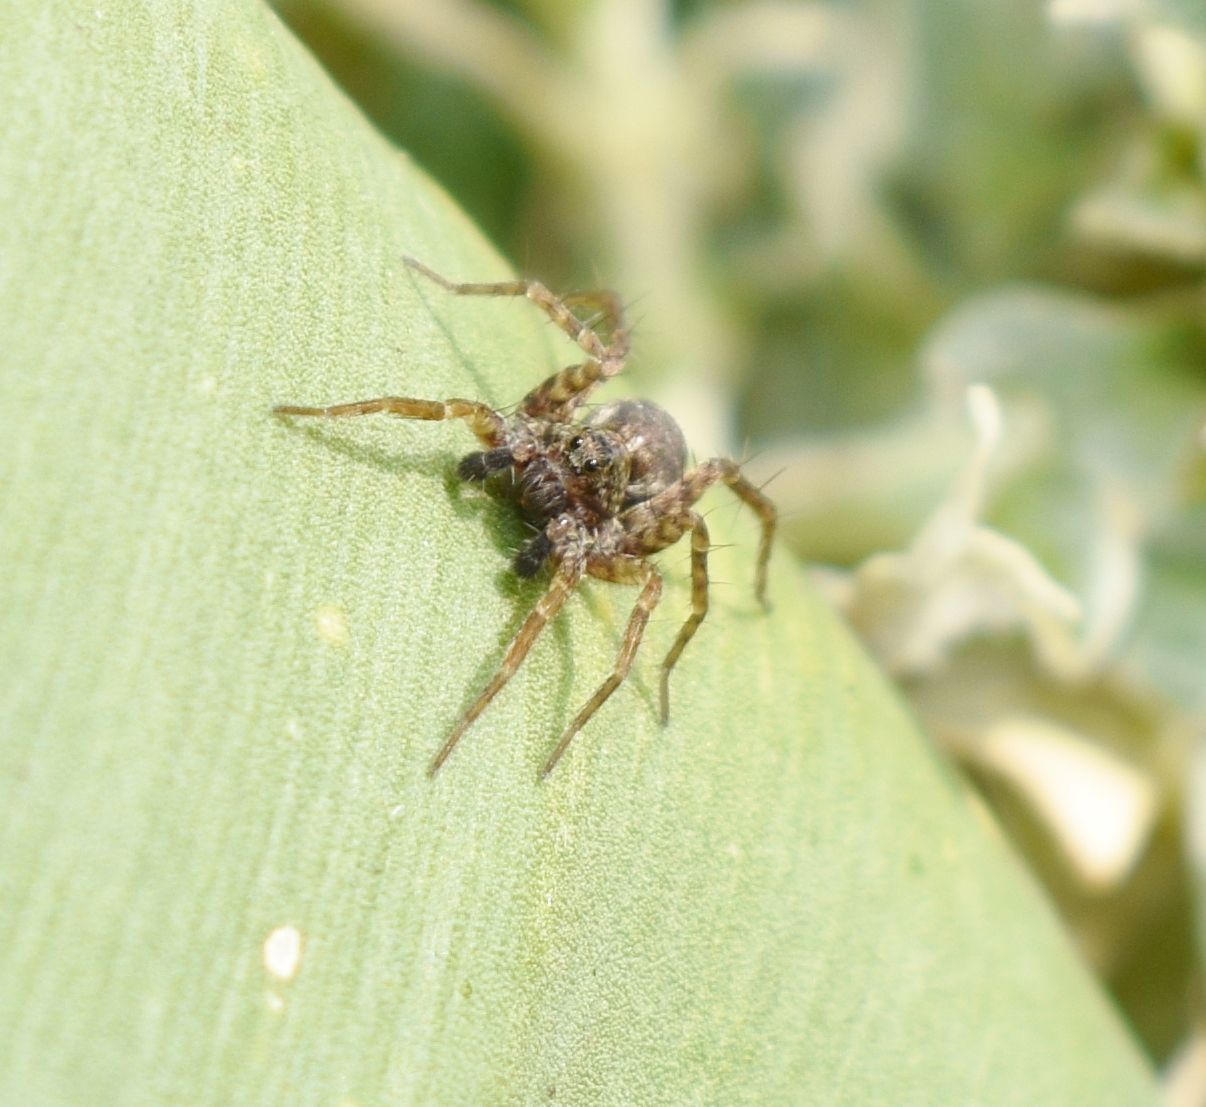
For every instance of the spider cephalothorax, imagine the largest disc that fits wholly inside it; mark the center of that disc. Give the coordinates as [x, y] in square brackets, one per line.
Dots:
[591, 471]
[601, 492]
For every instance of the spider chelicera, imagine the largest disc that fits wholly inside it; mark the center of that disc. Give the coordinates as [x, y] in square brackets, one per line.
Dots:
[601, 491]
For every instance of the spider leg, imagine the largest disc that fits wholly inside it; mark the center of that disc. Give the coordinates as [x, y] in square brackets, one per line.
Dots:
[486, 423]
[557, 308]
[608, 303]
[657, 522]
[557, 397]
[727, 470]
[699, 607]
[564, 580]
[637, 621]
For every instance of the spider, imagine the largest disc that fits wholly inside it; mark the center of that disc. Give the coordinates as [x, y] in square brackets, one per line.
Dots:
[602, 491]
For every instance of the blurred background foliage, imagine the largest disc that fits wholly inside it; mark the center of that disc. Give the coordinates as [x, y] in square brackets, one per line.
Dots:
[938, 270]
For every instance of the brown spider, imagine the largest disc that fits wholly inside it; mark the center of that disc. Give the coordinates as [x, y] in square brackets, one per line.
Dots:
[602, 492]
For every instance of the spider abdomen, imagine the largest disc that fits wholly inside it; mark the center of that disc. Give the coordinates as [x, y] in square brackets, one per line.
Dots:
[653, 442]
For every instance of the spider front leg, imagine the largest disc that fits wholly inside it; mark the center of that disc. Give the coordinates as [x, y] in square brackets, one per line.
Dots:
[561, 394]
[486, 423]
[564, 581]
[557, 308]
[624, 570]
[558, 396]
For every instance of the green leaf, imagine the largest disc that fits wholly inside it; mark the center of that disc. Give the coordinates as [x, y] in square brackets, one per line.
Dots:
[230, 646]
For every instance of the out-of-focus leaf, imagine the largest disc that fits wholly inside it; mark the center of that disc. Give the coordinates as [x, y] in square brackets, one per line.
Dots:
[1170, 639]
[1124, 397]
[999, 144]
[1123, 391]
[1184, 13]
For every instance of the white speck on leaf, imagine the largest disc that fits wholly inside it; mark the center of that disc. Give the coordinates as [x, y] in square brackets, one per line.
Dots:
[332, 624]
[282, 952]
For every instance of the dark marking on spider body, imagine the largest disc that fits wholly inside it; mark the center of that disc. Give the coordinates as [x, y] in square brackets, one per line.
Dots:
[602, 492]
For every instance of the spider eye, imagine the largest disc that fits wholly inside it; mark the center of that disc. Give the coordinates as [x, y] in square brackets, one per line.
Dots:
[592, 465]
[576, 442]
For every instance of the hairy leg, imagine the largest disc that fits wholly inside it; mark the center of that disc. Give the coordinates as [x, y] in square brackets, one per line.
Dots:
[563, 583]
[558, 396]
[637, 621]
[486, 423]
[657, 522]
[699, 607]
[557, 308]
